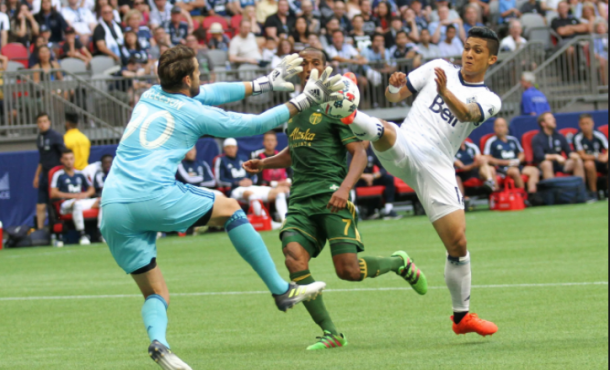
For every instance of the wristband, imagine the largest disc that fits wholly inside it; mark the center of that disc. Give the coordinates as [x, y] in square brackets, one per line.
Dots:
[393, 89]
[261, 85]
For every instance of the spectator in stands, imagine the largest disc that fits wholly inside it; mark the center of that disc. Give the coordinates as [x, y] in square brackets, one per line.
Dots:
[421, 15]
[472, 17]
[107, 37]
[220, 41]
[371, 24]
[548, 146]
[435, 15]
[331, 26]
[360, 39]
[404, 49]
[77, 142]
[589, 16]
[375, 175]
[508, 11]
[23, 26]
[471, 164]
[298, 37]
[46, 65]
[592, 147]
[353, 8]
[438, 30]
[396, 25]
[38, 42]
[379, 57]
[133, 20]
[195, 172]
[176, 28]
[339, 9]
[274, 177]
[11, 7]
[132, 86]
[342, 52]
[411, 26]
[270, 51]
[142, 7]
[160, 38]
[280, 23]
[79, 18]
[160, 13]
[218, 7]
[99, 5]
[264, 9]
[53, 20]
[425, 48]
[74, 49]
[5, 27]
[50, 145]
[97, 172]
[505, 152]
[206, 65]
[451, 46]
[312, 17]
[284, 48]
[514, 41]
[132, 49]
[566, 25]
[244, 48]
[76, 191]
[533, 101]
[601, 49]
[384, 15]
[195, 8]
[229, 172]
[535, 7]
[238, 6]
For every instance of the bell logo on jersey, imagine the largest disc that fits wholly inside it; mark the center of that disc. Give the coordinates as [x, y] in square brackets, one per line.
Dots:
[438, 107]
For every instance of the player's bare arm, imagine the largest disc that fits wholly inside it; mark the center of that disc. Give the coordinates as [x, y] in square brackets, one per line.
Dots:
[464, 112]
[397, 89]
[359, 161]
[280, 160]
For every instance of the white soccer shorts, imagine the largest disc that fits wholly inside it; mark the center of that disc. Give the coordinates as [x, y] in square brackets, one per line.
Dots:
[68, 206]
[259, 192]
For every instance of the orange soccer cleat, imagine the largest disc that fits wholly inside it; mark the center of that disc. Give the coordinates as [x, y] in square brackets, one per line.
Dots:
[472, 324]
[349, 119]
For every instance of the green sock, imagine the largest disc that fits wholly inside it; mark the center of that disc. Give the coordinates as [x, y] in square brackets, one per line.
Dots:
[316, 307]
[375, 266]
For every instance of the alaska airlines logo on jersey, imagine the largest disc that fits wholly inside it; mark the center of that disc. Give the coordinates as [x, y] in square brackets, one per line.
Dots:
[438, 107]
[300, 135]
[315, 118]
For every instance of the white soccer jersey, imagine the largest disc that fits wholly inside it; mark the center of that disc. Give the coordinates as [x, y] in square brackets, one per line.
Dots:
[430, 118]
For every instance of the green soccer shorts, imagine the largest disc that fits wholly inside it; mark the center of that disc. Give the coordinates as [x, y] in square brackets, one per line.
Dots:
[310, 224]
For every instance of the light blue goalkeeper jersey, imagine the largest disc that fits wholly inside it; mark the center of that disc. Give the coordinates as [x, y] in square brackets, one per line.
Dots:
[164, 127]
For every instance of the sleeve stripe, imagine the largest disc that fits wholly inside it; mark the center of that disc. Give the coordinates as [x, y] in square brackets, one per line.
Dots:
[410, 86]
[482, 113]
[601, 137]
[56, 177]
[514, 139]
[488, 144]
[578, 141]
[349, 138]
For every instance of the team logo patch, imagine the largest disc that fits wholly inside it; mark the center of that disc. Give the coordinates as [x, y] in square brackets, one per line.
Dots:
[491, 111]
[471, 100]
[315, 118]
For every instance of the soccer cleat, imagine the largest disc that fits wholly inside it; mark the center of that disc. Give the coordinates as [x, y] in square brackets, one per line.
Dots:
[490, 185]
[166, 358]
[84, 240]
[349, 119]
[392, 215]
[329, 341]
[297, 294]
[411, 273]
[472, 324]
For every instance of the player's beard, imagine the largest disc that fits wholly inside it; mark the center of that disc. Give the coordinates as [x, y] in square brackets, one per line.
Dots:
[194, 90]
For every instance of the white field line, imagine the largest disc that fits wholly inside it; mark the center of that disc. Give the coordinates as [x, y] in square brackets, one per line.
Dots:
[199, 294]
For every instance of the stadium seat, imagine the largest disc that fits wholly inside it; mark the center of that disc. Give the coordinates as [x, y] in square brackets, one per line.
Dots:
[74, 65]
[484, 140]
[402, 188]
[218, 57]
[542, 34]
[17, 52]
[14, 66]
[569, 133]
[235, 21]
[370, 191]
[531, 20]
[604, 130]
[526, 142]
[207, 22]
[101, 64]
[56, 219]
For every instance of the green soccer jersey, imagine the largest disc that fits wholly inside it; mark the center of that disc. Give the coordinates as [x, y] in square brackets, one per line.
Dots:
[319, 157]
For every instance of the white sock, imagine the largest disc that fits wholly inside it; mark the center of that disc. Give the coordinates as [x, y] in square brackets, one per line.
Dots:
[366, 127]
[458, 280]
[256, 205]
[99, 219]
[281, 206]
[388, 208]
[77, 216]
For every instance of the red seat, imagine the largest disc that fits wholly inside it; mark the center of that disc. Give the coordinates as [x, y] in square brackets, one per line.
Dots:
[17, 52]
[526, 142]
[235, 21]
[569, 133]
[604, 130]
[370, 191]
[196, 24]
[484, 140]
[207, 22]
[402, 187]
[58, 223]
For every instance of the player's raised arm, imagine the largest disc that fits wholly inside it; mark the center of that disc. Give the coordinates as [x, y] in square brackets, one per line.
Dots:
[281, 160]
[277, 80]
[397, 90]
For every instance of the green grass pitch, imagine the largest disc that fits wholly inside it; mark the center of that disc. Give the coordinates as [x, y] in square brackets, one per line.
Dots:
[540, 274]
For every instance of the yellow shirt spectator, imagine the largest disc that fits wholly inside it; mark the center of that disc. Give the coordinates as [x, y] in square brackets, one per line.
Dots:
[265, 8]
[80, 145]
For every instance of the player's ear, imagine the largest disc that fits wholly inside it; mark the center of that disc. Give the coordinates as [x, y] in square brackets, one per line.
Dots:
[492, 60]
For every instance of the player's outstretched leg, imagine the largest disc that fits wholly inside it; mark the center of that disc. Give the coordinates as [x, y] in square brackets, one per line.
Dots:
[413, 275]
[251, 247]
[154, 313]
[452, 231]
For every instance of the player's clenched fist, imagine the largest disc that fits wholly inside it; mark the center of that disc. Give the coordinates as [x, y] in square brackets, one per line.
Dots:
[253, 166]
[398, 79]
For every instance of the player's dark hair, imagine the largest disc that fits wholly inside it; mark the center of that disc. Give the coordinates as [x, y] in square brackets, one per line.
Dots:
[451, 27]
[311, 49]
[584, 115]
[66, 151]
[493, 42]
[106, 156]
[174, 65]
[42, 114]
[542, 117]
[401, 32]
[72, 119]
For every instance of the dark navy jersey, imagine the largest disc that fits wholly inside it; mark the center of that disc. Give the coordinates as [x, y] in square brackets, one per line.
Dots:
[499, 149]
[593, 146]
[98, 182]
[229, 171]
[65, 183]
[554, 144]
[50, 146]
[467, 154]
[196, 173]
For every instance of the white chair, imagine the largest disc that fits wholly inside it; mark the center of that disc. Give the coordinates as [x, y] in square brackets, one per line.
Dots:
[542, 34]
[14, 66]
[100, 64]
[218, 57]
[74, 65]
[531, 20]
